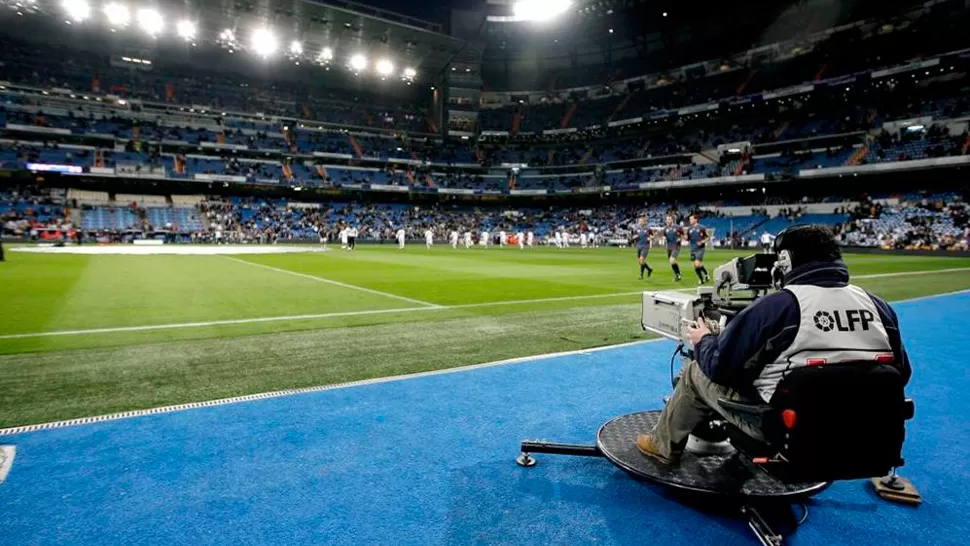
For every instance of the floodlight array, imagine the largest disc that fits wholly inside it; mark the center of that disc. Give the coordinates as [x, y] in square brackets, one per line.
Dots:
[262, 42]
[539, 10]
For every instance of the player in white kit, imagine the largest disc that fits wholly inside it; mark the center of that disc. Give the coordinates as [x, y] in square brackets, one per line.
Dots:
[453, 238]
[520, 238]
[557, 237]
[428, 238]
[484, 242]
[565, 239]
[766, 239]
[343, 238]
[582, 239]
[502, 238]
[530, 238]
[468, 239]
[400, 238]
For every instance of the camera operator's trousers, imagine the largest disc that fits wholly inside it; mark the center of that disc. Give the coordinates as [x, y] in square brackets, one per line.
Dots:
[693, 402]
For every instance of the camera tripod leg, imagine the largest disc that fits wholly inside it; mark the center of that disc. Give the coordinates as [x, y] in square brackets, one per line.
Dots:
[530, 447]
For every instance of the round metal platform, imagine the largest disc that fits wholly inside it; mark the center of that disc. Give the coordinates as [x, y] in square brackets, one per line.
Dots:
[722, 475]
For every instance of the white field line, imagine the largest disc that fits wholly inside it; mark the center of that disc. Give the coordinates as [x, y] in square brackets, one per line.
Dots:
[910, 273]
[319, 316]
[335, 283]
[321, 388]
[150, 327]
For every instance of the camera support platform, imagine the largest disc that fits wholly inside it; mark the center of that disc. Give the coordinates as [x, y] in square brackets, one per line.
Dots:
[730, 479]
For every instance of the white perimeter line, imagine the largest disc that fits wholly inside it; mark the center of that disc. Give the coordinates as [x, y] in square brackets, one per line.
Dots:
[909, 273]
[335, 283]
[427, 307]
[322, 388]
[932, 296]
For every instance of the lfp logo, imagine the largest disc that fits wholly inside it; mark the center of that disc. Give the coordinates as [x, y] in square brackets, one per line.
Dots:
[844, 321]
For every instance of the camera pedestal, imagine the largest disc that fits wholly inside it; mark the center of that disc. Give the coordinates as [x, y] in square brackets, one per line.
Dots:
[727, 481]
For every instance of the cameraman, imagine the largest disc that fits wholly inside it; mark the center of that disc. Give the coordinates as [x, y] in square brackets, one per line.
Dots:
[813, 320]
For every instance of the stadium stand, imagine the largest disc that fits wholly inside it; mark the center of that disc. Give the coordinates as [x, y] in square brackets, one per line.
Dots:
[925, 221]
[800, 116]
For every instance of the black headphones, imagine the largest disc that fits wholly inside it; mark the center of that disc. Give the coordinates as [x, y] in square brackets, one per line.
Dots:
[784, 262]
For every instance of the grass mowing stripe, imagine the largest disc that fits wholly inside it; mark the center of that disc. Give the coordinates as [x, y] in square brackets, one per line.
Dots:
[342, 385]
[122, 329]
[335, 283]
[305, 390]
[427, 307]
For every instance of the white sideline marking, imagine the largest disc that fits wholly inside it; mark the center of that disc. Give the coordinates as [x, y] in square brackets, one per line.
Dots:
[427, 307]
[908, 273]
[933, 296]
[210, 323]
[305, 390]
[228, 322]
[335, 283]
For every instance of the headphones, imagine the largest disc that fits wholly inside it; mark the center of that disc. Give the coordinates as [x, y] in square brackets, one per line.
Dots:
[783, 263]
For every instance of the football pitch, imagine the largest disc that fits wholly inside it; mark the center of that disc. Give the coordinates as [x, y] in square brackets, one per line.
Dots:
[84, 335]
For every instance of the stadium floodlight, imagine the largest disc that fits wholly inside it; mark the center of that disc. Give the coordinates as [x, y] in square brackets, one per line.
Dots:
[150, 21]
[385, 67]
[264, 42]
[326, 55]
[410, 73]
[539, 10]
[296, 48]
[77, 10]
[358, 62]
[185, 29]
[117, 14]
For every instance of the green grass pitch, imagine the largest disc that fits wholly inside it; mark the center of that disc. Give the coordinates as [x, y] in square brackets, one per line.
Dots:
[296, 320]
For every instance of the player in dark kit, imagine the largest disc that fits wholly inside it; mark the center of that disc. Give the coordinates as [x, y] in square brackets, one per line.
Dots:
[642, 242]
[698, 237]
[673, 235]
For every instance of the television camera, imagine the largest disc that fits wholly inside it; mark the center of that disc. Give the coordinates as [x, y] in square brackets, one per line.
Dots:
[736, 285]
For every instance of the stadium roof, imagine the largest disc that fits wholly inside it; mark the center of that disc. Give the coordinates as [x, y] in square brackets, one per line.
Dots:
[342, 23]
[345, 26]
[661, 34]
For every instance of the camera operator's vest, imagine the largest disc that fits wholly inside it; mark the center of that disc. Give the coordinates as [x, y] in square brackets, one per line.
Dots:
[837, 325]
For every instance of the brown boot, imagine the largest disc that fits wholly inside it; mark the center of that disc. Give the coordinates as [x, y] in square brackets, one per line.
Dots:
[646, 446]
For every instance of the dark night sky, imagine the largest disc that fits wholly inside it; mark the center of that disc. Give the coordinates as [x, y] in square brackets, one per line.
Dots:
[430, 10]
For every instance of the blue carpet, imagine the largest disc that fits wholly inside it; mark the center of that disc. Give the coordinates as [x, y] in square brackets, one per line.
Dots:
[430, 461]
